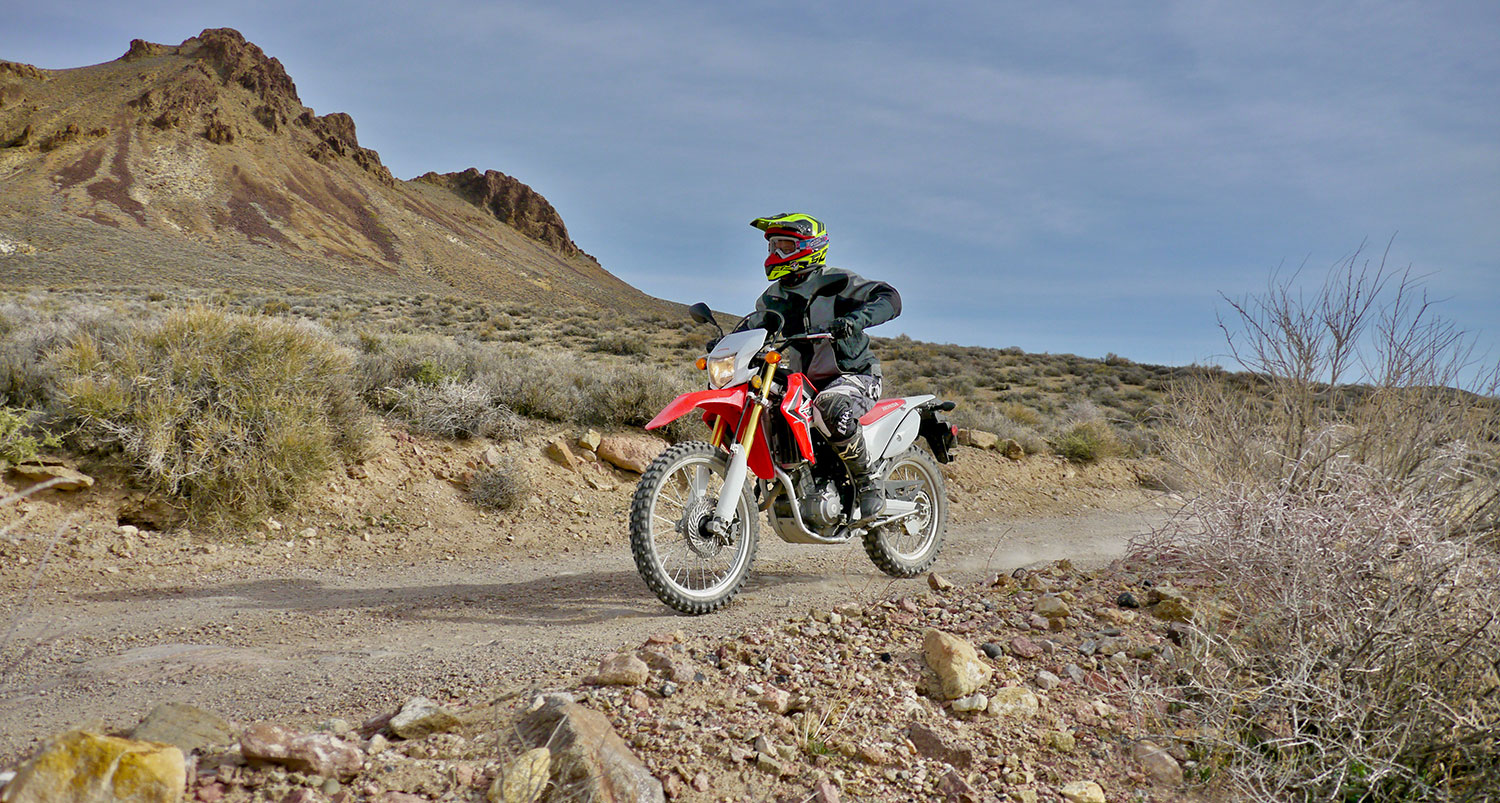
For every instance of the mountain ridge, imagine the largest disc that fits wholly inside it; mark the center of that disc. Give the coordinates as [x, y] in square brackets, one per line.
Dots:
[198, 163]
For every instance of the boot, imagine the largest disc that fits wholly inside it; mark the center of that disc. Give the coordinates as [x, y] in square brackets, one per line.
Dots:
[870, 500]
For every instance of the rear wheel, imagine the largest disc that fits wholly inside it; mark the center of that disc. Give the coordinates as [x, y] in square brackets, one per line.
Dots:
[908, 547]
[688, 567]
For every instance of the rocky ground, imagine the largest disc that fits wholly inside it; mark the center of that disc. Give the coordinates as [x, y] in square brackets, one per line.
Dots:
[806, 692]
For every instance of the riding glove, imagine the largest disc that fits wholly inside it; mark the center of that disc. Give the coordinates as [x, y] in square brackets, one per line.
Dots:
[843, 327]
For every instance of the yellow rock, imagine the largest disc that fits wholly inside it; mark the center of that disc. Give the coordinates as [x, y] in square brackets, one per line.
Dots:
[85, 767]
[524, 780]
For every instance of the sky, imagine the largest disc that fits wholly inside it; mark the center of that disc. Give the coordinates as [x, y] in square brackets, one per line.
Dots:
[1070, 177]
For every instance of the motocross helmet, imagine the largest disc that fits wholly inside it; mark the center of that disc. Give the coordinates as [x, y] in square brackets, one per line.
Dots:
[798, 243]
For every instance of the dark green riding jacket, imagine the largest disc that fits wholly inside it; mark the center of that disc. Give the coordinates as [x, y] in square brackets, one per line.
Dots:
[828, 293]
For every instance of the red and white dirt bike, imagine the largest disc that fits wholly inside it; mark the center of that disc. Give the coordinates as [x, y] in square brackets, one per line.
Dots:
[694, 517]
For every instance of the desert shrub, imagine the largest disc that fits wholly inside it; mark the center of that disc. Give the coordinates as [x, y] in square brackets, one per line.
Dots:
[999, 420]
[623, 343]
[1352, 529]
[503, 487]
[227, 414]
[20, 438]
[28, 332]
[450, 408]
[536, 385]
[425, 359]
[631, 395]
[1089, 441]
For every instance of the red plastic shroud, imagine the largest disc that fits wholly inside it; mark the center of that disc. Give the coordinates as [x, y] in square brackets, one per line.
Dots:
[730, 405]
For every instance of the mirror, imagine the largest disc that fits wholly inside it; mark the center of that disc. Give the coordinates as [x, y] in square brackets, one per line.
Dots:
[702, 314]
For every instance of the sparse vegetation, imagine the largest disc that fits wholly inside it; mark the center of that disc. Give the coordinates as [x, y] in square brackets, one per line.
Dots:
[503, 487]
[20, 440]
[230, 415]
[1353, 529]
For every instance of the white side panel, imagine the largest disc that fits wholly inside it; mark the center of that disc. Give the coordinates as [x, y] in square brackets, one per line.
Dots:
[895, 432]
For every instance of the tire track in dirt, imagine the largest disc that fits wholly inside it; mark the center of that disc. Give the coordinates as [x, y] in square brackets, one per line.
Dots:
[299, 647]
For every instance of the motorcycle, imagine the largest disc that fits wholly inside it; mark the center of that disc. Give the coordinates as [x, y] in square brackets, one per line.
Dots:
[695, 513]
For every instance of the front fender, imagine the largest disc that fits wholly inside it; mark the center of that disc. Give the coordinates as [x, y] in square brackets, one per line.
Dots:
[725, 402]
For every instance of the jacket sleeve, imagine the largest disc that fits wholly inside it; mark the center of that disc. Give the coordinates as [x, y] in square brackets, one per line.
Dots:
[875, 303]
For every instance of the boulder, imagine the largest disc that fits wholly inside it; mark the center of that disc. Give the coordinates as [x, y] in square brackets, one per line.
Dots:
[1083, 792]
[1052, 607]
[593, 762]
[184, 726]
[1013, 701]
[632, 453]
[558, 450]
[621, 669]
[958, 667]
[978, 438]
[932, 744]
[1157, 763]
[85, 767]
[1012, 449]
[524, 780]
[66, 479]
[314, 753]
[589, 441]
[421, 717]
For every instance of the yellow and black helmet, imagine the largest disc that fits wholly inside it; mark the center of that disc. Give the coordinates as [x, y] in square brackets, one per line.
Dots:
[796, 242]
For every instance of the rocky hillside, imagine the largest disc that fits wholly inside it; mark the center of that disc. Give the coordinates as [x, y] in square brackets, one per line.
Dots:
[198, 164]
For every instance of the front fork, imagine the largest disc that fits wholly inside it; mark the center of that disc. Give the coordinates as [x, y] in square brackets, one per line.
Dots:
[739, 457]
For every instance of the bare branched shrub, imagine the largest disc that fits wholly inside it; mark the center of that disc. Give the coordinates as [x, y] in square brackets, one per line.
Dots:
[451, 409]
[503, 487]
[1351, 528]
[229, 415]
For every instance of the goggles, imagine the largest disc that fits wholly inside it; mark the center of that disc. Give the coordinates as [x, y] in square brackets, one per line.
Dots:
[783, 246]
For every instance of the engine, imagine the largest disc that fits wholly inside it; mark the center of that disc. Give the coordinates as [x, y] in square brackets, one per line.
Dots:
[823, 506]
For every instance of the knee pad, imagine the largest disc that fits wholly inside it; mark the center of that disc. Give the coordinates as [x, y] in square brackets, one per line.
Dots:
[838, 415]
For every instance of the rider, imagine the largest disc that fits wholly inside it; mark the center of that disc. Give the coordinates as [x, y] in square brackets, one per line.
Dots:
[811, 296]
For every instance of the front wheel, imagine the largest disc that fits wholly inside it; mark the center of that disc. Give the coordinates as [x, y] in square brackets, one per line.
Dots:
[907, 547]
[686, 565]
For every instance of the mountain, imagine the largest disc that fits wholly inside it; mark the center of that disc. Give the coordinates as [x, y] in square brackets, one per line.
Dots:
[197, 164]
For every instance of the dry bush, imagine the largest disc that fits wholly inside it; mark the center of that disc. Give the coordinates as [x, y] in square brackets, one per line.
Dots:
[503, 487]
[450, 409]
[229, 415]
[29, 330]
[1089, 441]
[1352, 527]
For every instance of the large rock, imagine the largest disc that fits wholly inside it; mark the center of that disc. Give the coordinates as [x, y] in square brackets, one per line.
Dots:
[1014, 701]
[185, 726]
[66, 478]
[1083, 792]
[621, 669]
[1052, 607]
[593, 762]
[558, 450]
[959, 669]
[524, 780]
[85, 767]
[929, 742]
[314, 753]
[1157, 763]
[632, 453]
[421, 717]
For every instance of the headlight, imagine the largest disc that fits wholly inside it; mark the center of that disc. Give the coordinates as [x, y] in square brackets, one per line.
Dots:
[720, 371]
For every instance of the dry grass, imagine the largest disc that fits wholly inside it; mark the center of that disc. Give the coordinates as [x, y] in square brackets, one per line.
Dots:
[230, 415]
[1353, 528]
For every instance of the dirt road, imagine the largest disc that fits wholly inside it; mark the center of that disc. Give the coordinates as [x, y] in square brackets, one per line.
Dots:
[301, 646]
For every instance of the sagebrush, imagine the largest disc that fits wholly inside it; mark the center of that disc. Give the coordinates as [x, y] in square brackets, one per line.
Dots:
[229, 415]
